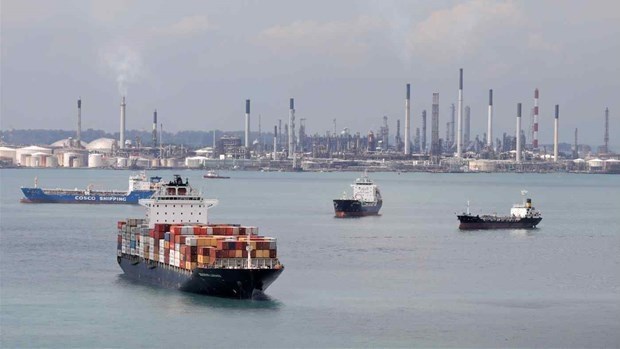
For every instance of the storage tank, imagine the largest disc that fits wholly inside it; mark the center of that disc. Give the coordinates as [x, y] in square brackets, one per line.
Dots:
[77, 162]
[67, 159]
[38, 159]
[51, 161]
[121, 162]
[95, 160]
[154, 163]
[171, 162]
[8, 153]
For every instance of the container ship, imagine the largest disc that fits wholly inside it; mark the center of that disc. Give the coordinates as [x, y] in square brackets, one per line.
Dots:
[175, 247]
[522, 216]
[365, 201]
[139, 188]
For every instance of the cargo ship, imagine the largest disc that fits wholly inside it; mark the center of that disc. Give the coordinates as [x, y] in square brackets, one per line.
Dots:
[176, 247]
[139, 188]
[365, 201]
[522, 216]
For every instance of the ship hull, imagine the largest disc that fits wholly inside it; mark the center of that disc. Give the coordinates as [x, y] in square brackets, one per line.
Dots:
[38, 195]
[228, 283]
[354, 208]
[477, 222]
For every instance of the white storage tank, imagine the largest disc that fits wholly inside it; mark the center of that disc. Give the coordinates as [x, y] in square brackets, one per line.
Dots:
[8, 153]
[121, 162]
[38, 159]
[171, 162]
[95, 160]
[154, 163]
[51, 161]
[68, 159]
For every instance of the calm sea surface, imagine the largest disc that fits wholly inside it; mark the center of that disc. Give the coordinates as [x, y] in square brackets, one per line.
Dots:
[407, 278]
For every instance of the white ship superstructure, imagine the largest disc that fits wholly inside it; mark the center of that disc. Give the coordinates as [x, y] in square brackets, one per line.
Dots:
[177, 203]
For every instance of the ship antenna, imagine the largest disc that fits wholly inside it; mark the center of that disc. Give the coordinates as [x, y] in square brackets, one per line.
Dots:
[523, 193]
[36, 181]
[467, 207]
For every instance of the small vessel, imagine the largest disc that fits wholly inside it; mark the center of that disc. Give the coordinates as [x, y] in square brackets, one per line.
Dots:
[522, 216]
[175, 247]
[140, 187]
[214, 175]
[365, 201]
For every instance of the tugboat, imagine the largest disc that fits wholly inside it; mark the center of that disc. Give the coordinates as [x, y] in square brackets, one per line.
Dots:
[139, 188]
[522, 216]
[214, 175]
[365, 201]
[175, 247]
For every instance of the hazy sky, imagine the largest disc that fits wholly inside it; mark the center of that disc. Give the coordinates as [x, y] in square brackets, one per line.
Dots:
[197, 62]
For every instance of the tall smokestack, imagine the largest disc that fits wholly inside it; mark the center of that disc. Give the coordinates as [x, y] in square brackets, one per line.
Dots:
[155, 128]
[490, 121]
[450, 138]
[247, 124]
[408, 120]
[275, 142]
[518, 157]
[576, 146]
[535, 140]
[291, 129]
[423, 149]
[555, 133]
[79, 125]
[606, 138]
[467, 128]
[122, 137]
[435, 126]
[459, 119]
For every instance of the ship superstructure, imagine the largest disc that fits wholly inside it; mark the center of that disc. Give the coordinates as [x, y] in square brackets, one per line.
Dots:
[176, 247]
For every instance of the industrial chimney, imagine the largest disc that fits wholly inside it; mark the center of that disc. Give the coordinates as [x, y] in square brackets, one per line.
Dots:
[155, 129]
[423, 140]
[459, 118]
[122, 136]
[606, 137]
[247, 124]
[518, 156]
[555, 133]
[407, 120]
[535, 140]
[275, 142]
[490, 121]
[291, 128]
[79, 125]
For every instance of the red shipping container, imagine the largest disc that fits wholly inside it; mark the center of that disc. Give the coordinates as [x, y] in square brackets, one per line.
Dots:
[119, 239]
[273, 254]
[120, 224]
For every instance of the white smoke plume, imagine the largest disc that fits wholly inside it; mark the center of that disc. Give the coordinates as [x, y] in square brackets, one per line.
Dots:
[126, 63]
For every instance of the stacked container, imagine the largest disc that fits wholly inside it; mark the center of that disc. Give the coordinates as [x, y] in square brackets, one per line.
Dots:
[191, 246]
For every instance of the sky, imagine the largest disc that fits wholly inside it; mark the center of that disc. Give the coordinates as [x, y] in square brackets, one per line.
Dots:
[197, 61]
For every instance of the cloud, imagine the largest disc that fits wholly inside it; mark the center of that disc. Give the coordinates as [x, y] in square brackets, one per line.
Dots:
[187, 26]
[459, 31]
[109, 10]
[346, 39]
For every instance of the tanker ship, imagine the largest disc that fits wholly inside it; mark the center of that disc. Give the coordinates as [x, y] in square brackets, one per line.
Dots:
[139, 188]
[365, 201]
[175, 247]
[522, 216]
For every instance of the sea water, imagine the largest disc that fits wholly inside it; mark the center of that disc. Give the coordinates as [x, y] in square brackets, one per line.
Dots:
[406, 278]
